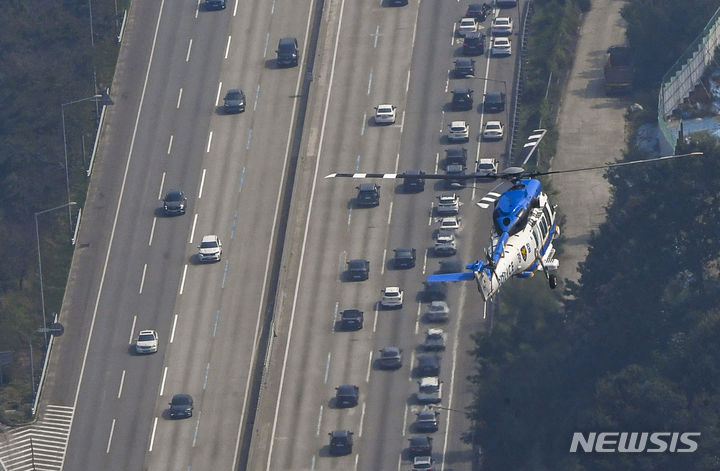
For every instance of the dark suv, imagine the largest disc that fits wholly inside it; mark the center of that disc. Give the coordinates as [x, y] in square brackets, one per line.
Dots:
[234, 101]
[474, 44]
[346, 395]
[174, 203]
[456, 156]
[405, 257]
[414, 182]
[420, 446]
[464, 67]
[456, 174]
[494, 101]
[341, 442]
[358, 269]
[368, 195]
[351, 319]
[214, 4]
[462, 99]
[287, 52]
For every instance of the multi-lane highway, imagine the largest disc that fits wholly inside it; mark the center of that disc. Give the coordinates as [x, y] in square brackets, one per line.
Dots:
[368, 61]
[135, 269]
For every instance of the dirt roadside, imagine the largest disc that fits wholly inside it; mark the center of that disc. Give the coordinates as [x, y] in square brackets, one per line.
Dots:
[591, 128]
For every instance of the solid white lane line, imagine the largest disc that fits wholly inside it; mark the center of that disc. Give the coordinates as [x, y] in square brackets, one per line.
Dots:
[162, 384]
[397, 162]
[170, 144]
[179, 98]
[425, 260]
[217, 320]
[327, 367]
[335, 314]
[257, 97]
[142, 280]
[227, 48]
[452, 37]
[152, 435]
[197, 8]
[172, 334]
[362, 420]
[362, 129]
[132, 330]
[369, 367]
[207, 373]
[250, 133]
[182, 282]
[407, 82]
[410, 378]
[192, 231]
[272, 8]
[162, 184]
[382, 267]
[112, 429]
[242, 180]
[152, 230]
[187, 56]
[217, 95]
[437, 161]
[222, 284]
[375, 321]
[377, 33]
[402, 123]
[417, 319]
[202, 182]
[320, 414]
[122, 381]
[357, 457]
[442, 121]
[235, 7]
[209, 142]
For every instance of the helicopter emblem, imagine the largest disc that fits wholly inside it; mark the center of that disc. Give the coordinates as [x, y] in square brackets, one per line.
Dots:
[524, 221]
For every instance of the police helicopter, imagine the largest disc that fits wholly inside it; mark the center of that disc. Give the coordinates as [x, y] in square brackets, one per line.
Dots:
[524, 221]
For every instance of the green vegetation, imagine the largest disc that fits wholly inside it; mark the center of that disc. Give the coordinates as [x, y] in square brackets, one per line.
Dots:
[47, 59]
[635, 346]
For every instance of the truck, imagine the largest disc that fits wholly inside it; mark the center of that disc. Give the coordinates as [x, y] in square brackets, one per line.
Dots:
[618, 70]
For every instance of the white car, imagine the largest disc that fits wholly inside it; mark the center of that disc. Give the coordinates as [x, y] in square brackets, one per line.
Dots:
[459, 131]
[392, 297]
[147, 342]
[210, 249]
[385, 114]
[493, 130]
[450, 222]
[448, 204]
[429, 390]
[500, 47]
[444, 236]
[467, 25]
[487, 167]
[502, 25]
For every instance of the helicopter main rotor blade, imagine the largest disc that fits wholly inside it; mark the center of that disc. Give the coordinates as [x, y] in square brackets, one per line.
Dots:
[427, 176]
[611, 165]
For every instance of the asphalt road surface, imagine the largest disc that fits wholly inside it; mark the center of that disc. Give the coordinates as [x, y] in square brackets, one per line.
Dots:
[135, 269]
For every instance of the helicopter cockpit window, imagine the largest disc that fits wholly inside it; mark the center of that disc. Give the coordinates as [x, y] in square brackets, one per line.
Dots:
[543, 227]
[535, 235]
[546, 212]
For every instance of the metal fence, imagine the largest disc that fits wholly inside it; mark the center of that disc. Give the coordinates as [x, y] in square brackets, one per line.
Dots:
[684, 75]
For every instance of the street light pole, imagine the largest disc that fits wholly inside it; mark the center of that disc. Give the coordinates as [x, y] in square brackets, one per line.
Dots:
[37, 236]
[67, 170]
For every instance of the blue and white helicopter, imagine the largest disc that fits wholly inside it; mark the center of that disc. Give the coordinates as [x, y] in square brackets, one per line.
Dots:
[524, 221]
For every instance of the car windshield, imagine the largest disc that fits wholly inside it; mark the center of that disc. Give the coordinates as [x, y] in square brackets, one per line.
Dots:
[181, 401]
[174, 196]
[146, 337]
[384, 109]
[208, 244]
[487, 166]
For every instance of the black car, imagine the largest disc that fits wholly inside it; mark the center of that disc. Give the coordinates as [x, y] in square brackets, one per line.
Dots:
[181, 406]
[420, 446]
[405, 257]
[287, 52]
[505, 3]
[428, 364]
[414, 182]
[428, 420]
[390, 358]
[351, 319]
[397, 3]
[341, 442]
[346, 395]
[494, 101]
[455, 173]
[174, 203]
[462, 99]
[215, 4]
[464, 66]
[234, 101]
[368, 195]
[479, 11]
[358, 269]
[455, 156]
[473, 44]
